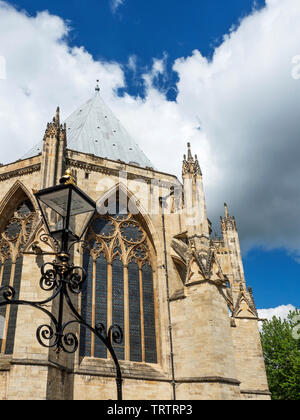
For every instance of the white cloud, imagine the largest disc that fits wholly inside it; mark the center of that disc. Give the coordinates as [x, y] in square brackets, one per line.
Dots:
[248, 107]
[132, 63]
[280, 312]
[115, 4]
[41, 73]
[245, 100]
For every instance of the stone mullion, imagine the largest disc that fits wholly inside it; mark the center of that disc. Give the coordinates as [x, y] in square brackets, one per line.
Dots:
[93, 308]
[11, 283]
[126, 314]
[155, 298]
[142, 313]
[109, 296]
[1, 273]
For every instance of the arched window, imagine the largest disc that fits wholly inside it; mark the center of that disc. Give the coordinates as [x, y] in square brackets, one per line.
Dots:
[120, 288]
[13, 236]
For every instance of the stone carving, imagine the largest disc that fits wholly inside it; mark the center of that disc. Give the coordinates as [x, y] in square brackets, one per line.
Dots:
[201, 262]
[191, 165]
[17, 231]
[20, 172]
[245, 306]
[55, 129]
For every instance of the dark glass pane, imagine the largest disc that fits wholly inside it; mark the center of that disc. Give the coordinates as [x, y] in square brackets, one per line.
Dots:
[103, 227]
[101, 303]
[118, 302]
[10, 338]
[13, 229]
[86, 306]
[117, 247]
[5, 282]
[131, 232]
[25, 209]
[149, 315]
[134, 313]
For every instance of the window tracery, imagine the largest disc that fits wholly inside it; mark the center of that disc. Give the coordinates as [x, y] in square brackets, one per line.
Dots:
[120, 287]
[13, 237]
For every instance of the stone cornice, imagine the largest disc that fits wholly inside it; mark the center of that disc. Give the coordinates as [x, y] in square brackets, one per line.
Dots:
[91, 167]
[20, 172]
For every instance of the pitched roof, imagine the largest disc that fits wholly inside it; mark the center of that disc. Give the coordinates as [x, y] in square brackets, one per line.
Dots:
[93, 129]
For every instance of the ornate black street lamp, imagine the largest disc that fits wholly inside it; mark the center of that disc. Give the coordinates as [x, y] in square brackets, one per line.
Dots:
[67, 212]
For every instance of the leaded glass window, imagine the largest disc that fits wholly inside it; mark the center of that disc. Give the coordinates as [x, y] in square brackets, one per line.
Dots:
[120, 288]
[13, 237]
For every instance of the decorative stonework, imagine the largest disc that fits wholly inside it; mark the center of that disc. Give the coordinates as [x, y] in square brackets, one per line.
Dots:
[245, 306]
[119, 260]
[228, 222]
[115, 240]
[179, 336]
[201, 263]
[55, 129]
[190, 165]
[89, 168]
[17, 232]
[20, 172]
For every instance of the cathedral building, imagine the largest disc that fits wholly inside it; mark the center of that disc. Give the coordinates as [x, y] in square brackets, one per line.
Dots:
[189, 322]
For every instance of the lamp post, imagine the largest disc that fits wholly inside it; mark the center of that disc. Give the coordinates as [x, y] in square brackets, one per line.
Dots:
[67, 212]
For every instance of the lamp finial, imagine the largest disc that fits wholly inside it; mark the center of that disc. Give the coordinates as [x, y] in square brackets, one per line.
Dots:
[67, 178]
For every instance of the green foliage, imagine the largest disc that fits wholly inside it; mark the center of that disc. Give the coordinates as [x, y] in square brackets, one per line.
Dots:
[281, 349]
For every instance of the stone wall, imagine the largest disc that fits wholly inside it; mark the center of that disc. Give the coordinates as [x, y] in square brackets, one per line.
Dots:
[249, 359]
[210, 357]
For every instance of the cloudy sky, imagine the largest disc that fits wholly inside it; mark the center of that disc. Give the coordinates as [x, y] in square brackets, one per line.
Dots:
[223, 75]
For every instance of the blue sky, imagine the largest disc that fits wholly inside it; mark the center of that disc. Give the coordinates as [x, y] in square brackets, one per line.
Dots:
[146, 29]
[186, 40]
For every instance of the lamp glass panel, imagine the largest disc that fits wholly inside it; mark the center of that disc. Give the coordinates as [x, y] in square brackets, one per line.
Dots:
[57, 201]
[55, 204]
[55, 220]
[79, 223]
[79, 204]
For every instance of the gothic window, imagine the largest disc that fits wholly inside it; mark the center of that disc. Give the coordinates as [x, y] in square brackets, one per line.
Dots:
[120, 288]
[13, 237]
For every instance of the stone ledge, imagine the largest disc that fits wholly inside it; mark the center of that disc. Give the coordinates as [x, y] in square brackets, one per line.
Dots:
[178, 295]
[209, 379]
[42, 363]
[4, 366]
[130, 370]
[256, 392]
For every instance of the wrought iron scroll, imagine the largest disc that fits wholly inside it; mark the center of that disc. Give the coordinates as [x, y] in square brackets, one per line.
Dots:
[61, 278]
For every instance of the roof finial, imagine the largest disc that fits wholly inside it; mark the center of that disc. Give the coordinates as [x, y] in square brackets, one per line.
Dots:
[56, 118]
[226, 210]
[97, 89]
[190, 157]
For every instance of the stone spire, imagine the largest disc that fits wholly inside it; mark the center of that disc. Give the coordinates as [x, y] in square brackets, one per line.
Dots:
[53, 155]
[228, 222]
[194, 198]
[232, 242]
[190, 165]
